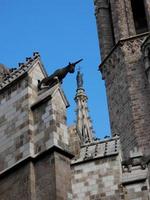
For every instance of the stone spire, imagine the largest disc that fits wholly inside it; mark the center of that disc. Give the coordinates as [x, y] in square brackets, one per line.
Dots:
[83, 124]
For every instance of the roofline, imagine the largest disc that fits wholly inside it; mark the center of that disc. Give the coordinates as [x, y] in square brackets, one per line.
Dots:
[95, 158]
[13, 82]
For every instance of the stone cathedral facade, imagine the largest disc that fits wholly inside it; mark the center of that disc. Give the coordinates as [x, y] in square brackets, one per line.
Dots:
[43, 159]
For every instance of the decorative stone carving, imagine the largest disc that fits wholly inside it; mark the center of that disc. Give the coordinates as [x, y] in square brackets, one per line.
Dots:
[132, 45]
[58, 75]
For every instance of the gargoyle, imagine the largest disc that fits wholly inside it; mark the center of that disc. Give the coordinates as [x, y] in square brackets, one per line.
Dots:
[141, 161]
[58, 75]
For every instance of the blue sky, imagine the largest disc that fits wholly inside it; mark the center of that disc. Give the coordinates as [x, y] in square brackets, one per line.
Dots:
[62, 31]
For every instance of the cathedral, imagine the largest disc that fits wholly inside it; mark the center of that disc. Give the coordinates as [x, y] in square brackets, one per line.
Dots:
[41, 158]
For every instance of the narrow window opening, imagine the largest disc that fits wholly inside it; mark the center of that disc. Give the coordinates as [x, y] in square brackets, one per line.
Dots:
[111, 23]
[139, 16]
[148, 65]
[149, 54]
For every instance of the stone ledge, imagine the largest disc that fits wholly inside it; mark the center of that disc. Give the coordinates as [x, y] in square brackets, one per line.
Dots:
[40, 102]
[19, 73]
[120, 42]
[5, 87]
[35, 159]
[43, 97]
[78, 162]
[47, 95]
[102, 141]
[98, 149]
[135, 176]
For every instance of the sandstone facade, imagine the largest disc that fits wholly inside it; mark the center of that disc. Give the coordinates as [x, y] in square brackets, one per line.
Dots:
[42, 158]
[123, 69]
[33, 135]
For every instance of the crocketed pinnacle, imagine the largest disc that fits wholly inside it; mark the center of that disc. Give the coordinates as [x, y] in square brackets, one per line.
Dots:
[83, 124]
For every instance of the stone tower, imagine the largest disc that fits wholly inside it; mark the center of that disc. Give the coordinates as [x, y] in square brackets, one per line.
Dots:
[123, 29]
[34, 141]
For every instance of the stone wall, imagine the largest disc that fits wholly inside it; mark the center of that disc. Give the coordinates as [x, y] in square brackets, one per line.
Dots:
[74, 140]
[108, 177]
[104, 25]
[50, 121]
[18, 184]
[135, 177]
[63, 177]
[115, 21]
[52, 175]
[29, 125]
[122, 17]
[98, 179]
[136, 191]
[16, 120]
[139, 91]
[147, 9]
[14, 124]
[34, 152]
[128, 94]
[46, 177]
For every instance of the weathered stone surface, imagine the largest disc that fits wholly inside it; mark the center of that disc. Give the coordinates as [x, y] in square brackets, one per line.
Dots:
[35, 162]
[128, 94]
[74, 140]
[32, 127]
[97, 179]
[19, 184]
[125, 78]
[125, 69]
[104, 25]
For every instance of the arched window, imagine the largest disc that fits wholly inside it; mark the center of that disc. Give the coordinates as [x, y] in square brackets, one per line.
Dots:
[139, 16]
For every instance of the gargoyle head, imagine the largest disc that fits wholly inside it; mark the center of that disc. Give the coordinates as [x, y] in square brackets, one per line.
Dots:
[71, 68]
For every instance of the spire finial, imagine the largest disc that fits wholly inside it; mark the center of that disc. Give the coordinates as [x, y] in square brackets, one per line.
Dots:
[79, 79]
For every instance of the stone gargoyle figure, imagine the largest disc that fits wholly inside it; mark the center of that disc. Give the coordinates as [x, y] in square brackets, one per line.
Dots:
[57, 76]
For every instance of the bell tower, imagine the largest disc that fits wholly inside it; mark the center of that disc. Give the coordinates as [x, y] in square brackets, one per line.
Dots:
[120, 19]
[123, 26]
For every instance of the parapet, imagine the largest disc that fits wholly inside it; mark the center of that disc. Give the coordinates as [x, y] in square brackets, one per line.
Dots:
[98, 150]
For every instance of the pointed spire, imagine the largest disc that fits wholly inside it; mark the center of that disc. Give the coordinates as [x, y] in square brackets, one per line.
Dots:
[83, 125]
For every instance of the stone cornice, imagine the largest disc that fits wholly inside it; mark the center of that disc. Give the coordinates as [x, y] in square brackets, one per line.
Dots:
[119, 44]
[35, 158]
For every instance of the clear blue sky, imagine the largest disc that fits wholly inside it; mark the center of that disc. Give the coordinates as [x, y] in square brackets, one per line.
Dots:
[62, 31]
